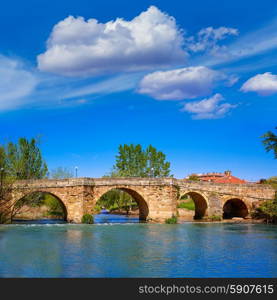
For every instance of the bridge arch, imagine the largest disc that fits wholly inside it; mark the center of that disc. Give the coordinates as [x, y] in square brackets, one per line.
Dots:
[200, 202]
[234, 207]
[142, 203]
[30, 193]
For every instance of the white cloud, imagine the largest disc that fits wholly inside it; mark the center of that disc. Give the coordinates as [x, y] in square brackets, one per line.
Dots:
[207, 39]
[179, 84]
[208, 108]
[263, 84]
[77, 47]
[16, 83]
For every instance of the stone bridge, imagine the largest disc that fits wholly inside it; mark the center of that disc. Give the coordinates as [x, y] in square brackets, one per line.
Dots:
[156, 197]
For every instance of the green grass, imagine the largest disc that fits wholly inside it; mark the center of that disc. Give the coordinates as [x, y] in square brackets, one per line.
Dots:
[187, 205]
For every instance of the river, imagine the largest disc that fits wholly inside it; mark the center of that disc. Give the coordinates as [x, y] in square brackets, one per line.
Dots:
[138, 250]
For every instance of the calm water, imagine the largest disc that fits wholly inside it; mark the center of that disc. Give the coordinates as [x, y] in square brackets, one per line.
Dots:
[138, 250]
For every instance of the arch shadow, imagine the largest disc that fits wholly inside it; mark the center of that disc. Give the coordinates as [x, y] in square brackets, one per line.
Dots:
[142, 204]
[234, 208]
[47, 193]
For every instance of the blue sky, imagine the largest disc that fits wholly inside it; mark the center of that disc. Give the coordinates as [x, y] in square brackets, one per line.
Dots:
[196, 79]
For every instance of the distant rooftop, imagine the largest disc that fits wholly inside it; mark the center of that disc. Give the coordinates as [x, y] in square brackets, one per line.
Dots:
[217, 177]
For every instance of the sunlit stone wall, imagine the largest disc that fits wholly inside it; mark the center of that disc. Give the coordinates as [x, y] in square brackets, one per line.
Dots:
[157, 198]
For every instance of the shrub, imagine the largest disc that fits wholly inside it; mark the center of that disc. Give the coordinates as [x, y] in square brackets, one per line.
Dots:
[215, 218]
[267, 210]
[96, 209]
[172, 220]
[87, 219]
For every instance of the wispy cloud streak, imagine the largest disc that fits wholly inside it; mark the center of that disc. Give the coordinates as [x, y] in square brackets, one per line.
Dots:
[248, 45]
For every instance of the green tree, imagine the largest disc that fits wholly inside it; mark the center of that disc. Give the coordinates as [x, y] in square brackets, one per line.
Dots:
[109, 200]
[267, 210]
[61, 173]
[21, 160]
[270, 142]
[5, 189]
[2, 158]
[156, 164]
[133, 161]
[5, 199]
[24, 160]
[130, 161]
[116, 200]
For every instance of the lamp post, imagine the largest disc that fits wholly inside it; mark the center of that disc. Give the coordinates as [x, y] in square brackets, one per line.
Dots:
[152, 172]
[76, 172]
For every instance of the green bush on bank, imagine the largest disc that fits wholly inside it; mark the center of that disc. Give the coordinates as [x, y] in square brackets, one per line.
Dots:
[172, 220]
[87, 219]
[215, 218]
[267, 210]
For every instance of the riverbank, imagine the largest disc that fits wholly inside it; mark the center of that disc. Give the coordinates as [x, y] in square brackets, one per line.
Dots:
[186, 215]
[134, 213]
[229, 221]
[35, 213]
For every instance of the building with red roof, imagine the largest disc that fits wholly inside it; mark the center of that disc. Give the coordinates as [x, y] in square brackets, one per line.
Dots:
[216, 177]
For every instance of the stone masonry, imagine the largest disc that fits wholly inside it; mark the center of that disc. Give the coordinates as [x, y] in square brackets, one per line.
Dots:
[156, 197]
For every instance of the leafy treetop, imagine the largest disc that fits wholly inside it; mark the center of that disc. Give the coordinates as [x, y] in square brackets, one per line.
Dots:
[270, 142]
[133, 161]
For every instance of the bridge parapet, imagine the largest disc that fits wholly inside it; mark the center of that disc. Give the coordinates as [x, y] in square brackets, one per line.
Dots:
[86, 181]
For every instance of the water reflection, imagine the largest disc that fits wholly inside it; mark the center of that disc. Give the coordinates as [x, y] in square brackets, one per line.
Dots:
[113, 218]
